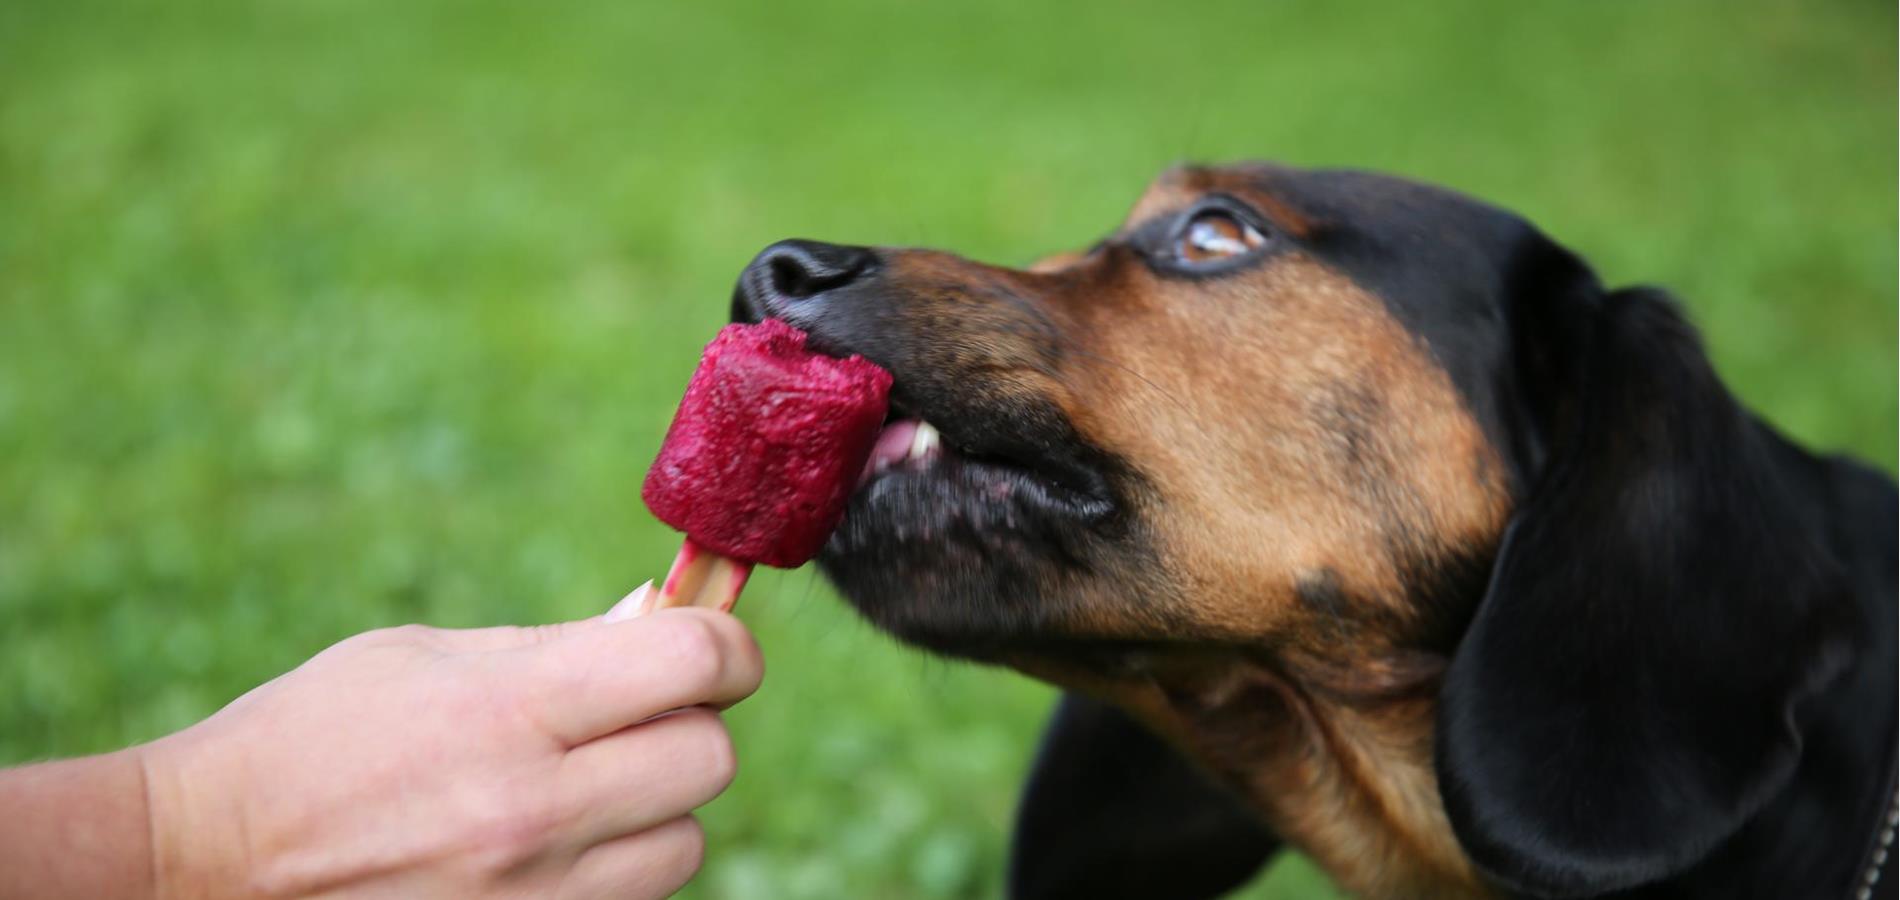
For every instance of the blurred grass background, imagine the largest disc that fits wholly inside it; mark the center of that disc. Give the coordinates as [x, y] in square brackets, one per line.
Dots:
[319, 315]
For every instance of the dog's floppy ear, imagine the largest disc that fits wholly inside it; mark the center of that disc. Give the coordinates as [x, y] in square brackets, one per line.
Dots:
[1624, 698]
[1112, 811]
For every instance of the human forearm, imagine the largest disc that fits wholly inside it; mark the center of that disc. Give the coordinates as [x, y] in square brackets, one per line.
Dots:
[76, 828]
[559, 761]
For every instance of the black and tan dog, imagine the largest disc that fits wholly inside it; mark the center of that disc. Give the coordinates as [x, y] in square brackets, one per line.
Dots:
[1357, 515]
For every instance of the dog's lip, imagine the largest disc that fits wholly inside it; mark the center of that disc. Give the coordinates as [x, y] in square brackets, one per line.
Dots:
[902, 440]
[911, 447]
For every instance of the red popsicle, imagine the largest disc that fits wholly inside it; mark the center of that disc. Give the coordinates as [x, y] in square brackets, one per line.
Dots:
[762, 455]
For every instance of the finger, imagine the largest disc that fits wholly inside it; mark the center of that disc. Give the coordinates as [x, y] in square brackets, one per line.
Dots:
[598, 680]
[509, 637]
[637, 603]
[651, 864]
[634, 779]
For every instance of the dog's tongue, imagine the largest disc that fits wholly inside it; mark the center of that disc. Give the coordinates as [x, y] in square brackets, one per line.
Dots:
[892, 445]
[767, 445]
[902, 440]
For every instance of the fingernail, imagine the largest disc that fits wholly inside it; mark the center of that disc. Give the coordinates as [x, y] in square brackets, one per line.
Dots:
[632, 605]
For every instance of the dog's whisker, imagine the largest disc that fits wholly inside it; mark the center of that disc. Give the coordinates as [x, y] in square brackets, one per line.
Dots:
[1070, 347]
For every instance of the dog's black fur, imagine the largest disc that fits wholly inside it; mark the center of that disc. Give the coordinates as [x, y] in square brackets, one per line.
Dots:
[1679, 681]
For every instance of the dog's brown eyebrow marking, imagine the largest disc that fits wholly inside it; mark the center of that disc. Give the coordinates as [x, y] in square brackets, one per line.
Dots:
[1182, 185]
[1289, 220]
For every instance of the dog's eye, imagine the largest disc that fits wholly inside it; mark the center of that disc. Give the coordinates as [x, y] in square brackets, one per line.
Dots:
[1213, 235]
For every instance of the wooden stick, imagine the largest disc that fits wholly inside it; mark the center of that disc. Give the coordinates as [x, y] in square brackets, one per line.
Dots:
[700, 577]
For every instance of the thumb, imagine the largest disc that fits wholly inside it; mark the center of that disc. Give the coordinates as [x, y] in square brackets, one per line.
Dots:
[509, 637]
[637, 603]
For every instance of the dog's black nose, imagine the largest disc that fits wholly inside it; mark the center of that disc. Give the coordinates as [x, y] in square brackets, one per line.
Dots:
[788, 274]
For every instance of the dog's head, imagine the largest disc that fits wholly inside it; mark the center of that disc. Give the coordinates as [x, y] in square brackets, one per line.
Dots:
[1212, 426]
[1368, 436]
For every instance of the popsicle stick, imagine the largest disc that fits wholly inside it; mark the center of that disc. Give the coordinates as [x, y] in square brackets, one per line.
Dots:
[700, 577]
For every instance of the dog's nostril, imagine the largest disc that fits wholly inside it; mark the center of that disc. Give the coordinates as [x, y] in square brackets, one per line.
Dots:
[799, 270]
[795, 273]
[790, 279]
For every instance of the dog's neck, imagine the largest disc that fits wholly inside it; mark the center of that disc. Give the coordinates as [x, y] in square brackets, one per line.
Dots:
[1337, 760]
[1342, 767]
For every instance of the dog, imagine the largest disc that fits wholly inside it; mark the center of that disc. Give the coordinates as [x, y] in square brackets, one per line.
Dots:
[1356, 516]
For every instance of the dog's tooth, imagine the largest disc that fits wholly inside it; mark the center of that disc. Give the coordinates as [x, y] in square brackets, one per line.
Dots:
[925, 441]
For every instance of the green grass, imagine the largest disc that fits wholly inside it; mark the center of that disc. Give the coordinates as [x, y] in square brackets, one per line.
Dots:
[318, 316]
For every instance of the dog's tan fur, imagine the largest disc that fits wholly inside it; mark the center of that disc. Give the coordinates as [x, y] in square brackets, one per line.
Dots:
[1303, 448]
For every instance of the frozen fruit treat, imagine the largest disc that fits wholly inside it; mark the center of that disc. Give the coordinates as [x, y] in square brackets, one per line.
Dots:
[761, 457]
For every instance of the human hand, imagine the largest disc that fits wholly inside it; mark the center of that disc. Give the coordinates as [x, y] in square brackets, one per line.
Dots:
[553, 761]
